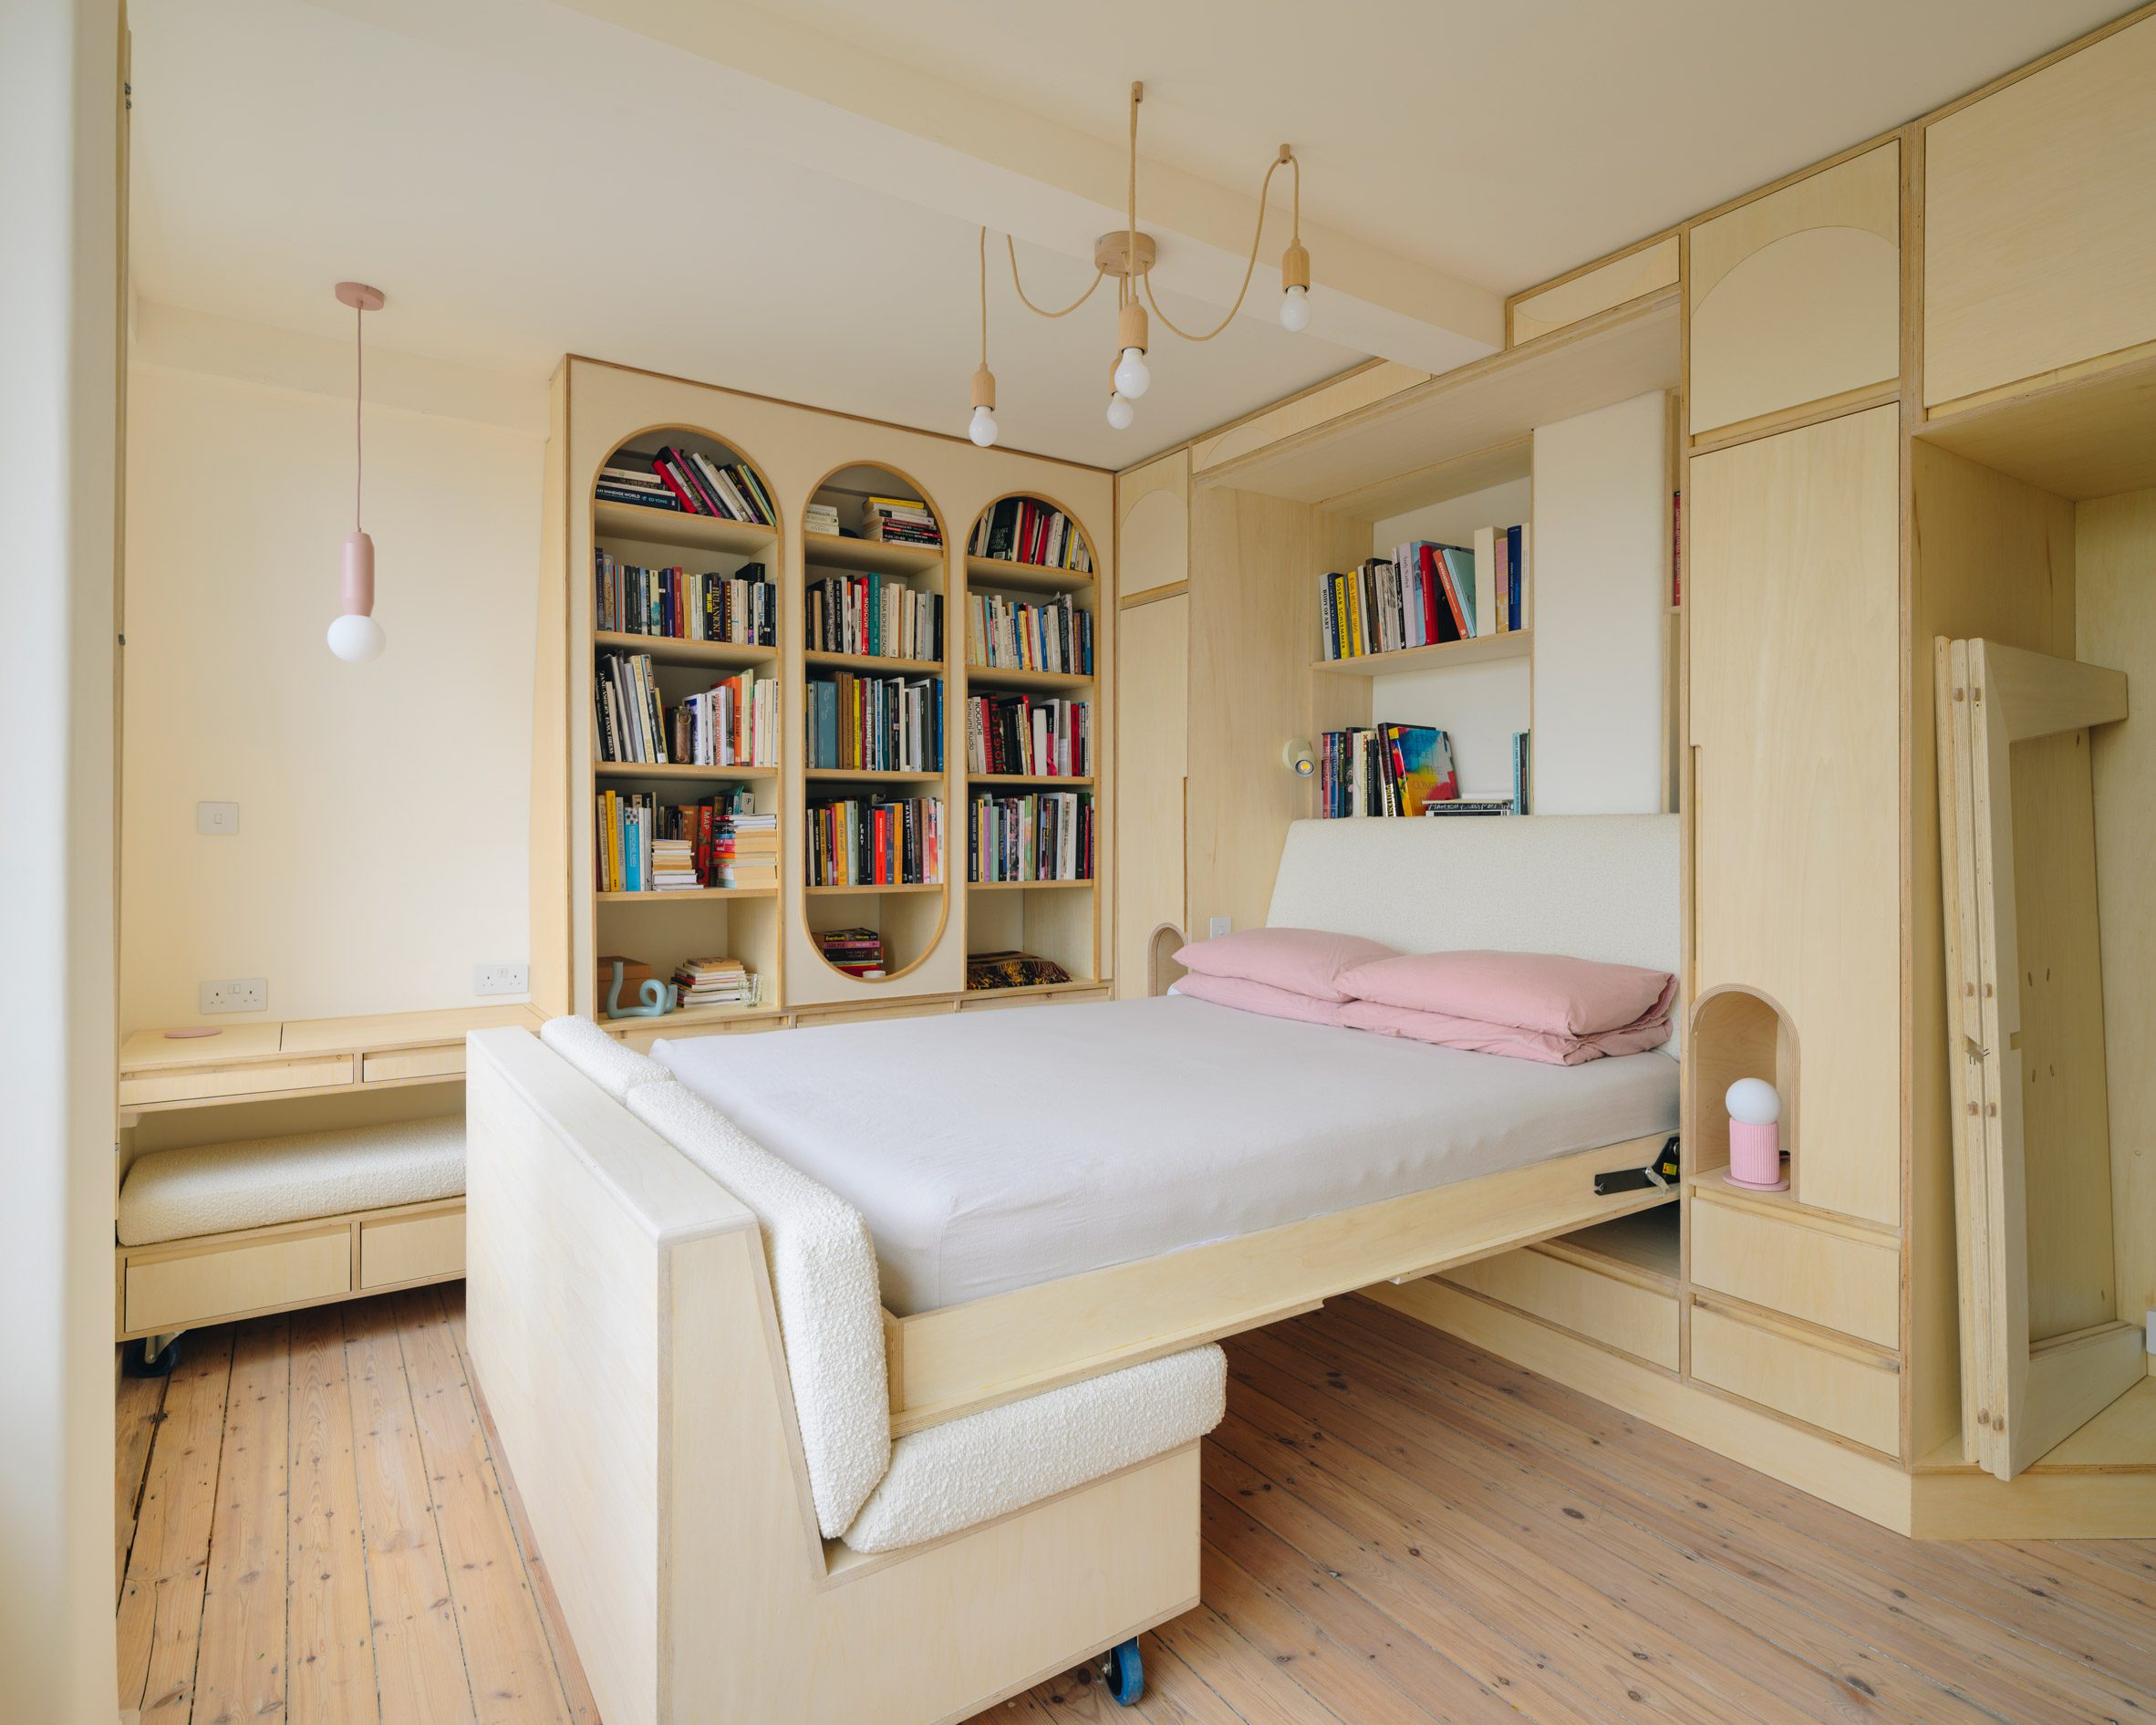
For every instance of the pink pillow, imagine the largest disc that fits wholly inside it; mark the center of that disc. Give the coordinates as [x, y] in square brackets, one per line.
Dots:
[1303, 960]
[1482, 1037]
[1246, 996]
[1534, 991]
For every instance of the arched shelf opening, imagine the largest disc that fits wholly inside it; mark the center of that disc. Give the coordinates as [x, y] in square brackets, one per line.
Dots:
[1738, 1032]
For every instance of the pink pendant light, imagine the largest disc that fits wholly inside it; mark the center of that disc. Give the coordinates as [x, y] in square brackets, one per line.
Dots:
[355, 636]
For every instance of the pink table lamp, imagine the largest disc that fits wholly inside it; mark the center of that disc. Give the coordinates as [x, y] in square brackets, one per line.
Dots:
[1755, 1136]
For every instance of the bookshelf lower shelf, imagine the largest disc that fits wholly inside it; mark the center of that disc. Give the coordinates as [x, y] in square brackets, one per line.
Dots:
[1513, 644]
[1042, 781]
[1005, 677]
[1031, 577]
[1026, 886]
[870, 891]
[687, 896]
[675, 527]
[674, 770]
[671, 650]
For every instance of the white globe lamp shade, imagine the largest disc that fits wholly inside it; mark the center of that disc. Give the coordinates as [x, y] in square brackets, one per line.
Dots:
[1295, 310]
[1132, 379]
[982, 427]
[1120, 411]
[1753, 1102]
[355, 639]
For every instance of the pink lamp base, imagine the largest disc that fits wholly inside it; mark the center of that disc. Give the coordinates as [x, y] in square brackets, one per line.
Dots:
[1755, 1158]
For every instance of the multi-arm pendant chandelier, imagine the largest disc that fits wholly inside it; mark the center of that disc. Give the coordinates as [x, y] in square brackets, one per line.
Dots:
[1128, 255]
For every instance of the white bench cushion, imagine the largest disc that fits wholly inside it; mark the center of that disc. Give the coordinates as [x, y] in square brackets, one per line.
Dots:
[613, 1066]
[823, 1272]
[255, 1182]
[983, 1465]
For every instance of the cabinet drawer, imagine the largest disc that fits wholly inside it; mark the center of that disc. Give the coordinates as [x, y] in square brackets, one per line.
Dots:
[443, 1061]
[1797, 296]
[2040, 221]
[1830, 1279]
[1635, 1320]
[222, 1281]
[411, 1249]
[1848, 1391]
[198, 1084]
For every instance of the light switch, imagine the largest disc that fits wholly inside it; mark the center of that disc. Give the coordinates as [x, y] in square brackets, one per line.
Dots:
[1220, 925]
[220, 820]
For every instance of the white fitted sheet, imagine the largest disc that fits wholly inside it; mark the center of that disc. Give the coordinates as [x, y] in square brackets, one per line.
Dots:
[991, 1150]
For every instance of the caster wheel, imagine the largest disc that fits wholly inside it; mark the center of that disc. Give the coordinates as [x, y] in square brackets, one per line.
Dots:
[142, 1363]
[1127, 1674]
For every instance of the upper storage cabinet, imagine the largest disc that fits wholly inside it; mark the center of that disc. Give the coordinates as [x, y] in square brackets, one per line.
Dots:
[1796, 297]
[2040, 221]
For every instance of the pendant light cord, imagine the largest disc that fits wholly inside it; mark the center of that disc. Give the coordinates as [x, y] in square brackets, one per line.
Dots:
[1257, 240]
[1011, 246]
[984, 295]
[359, 400]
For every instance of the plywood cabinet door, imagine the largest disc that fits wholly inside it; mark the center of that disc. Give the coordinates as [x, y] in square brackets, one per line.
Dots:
[2040, 221]
[1795, 297]
[1152, 731]
[1793, 591]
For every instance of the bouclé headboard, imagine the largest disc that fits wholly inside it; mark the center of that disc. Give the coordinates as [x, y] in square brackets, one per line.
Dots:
[1600, 887]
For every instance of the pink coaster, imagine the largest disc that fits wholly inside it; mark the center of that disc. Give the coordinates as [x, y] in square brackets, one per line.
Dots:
[1782, 1185]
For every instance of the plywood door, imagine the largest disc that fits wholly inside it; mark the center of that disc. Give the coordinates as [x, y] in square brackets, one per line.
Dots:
[1795, 677]
[1153, 732]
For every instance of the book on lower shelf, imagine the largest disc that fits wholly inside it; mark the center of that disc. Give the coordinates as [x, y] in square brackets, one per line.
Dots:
[820, 518]
[677, 604]
[856, 951]
[745, 850]
[870, 842]
[877, 615]
[733, 723]
[647, 846]
[1037, 836]
[1012, 635]
[1385, 770]
[716, 981]
[876, 724]
[1029, 734]
[1517, 804]
[1425, 595]
[1026, 530]
[688, 482]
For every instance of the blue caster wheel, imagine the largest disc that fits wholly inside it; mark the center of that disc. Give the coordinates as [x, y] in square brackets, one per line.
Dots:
[1127, 1673]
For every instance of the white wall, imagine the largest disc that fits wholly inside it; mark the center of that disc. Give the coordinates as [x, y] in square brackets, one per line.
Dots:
[58, 327]
[383, 807]
[1598, 567]
[1479, 706]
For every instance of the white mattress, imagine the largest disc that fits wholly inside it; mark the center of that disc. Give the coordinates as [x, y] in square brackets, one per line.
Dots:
[991, 1150]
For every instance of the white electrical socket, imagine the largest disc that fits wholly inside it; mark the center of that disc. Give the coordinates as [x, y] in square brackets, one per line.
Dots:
[513, 978]
[1220, 926]
[220, 820]
[236, 994]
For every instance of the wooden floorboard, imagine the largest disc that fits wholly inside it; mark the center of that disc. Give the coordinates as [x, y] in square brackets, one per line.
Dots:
[312, 1524]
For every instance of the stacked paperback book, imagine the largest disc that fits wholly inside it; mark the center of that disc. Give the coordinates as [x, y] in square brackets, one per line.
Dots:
[1385, 769]
[876, 724]
[1029, 734]
[733, 723]
[691, 483]
[1042, 835]
[859, 842]
[900, 521]
[856, 951]
[1424, 595]
[745, 850]
[719, 981]
[645, 846]
[1026, 530]
[820, 518]
[1007, 635]
[878, 615]
[741, 608]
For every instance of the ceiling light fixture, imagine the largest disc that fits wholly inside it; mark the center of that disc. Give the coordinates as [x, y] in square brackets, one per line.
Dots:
[1128, 255]
[355, 637]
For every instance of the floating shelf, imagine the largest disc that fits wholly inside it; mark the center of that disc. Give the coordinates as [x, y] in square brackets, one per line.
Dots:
[1512, 644]
[874, 663]
[695, 1015]
[667, 649]
[1027, 885]
[1034, 578]
[689, 895]
[669, 770]
[690, 533]
[817, 892]
[994, 676]
[861, 776]
[832, 551]
[1043, 780]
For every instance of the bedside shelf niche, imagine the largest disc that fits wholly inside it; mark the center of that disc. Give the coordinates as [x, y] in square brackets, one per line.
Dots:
[1738, 1032]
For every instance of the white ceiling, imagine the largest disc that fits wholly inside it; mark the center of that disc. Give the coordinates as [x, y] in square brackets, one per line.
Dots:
[515, 208]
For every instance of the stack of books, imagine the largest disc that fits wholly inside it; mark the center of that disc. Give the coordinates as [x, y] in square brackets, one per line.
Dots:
[745, 850]
[628, 485]
[860, 842]
[719, 981]
[856, 951]
[1029, 733]
[673, 866]
[876, 724]
[1385, 769]
[900, 521]
[733, 723]
[701, 486]
[1007, 635]
[1517, 804]
[645, 846]
[878, 615]
[1042, 835]
[1026, 530]
[820, 518]
[1424, 595]
[741, 608]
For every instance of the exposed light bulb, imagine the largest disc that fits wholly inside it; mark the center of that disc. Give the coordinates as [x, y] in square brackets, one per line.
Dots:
[1132, 379]
[1295, 310]
[357, 637]
[1753, 1102]
[982, 427]
[1120, 411]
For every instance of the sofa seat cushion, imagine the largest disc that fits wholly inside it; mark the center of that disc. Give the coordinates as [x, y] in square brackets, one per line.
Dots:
[213, 1188]
[973, 1469]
